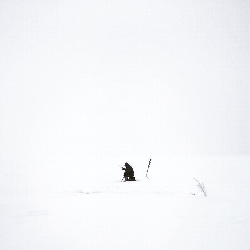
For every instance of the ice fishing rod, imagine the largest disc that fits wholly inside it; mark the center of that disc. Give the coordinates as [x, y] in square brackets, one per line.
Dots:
[123, 178]
[148, 168]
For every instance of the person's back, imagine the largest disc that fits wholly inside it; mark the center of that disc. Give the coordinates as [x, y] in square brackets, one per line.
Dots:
[129, 173]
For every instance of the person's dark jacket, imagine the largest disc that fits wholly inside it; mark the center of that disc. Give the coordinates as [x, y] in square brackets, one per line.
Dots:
[128, 170]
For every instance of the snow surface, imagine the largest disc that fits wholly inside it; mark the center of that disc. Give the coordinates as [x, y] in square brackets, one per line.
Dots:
[86, 86]
[94, 210]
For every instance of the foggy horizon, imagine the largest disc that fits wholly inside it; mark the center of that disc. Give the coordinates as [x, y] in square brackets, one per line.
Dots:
[123, 78]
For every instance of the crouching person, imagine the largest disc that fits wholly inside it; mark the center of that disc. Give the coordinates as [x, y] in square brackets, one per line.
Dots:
[129, 172]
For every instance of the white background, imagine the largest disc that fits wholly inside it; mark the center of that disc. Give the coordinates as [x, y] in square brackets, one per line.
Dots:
[86, 86]
[123, 78]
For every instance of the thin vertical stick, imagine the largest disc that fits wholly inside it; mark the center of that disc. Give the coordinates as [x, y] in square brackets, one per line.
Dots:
[148, 168]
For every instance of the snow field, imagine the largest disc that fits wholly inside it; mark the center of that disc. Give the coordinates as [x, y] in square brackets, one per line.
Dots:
[109, 214]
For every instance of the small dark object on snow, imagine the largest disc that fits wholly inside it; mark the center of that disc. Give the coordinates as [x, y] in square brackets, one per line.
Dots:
[129, 173]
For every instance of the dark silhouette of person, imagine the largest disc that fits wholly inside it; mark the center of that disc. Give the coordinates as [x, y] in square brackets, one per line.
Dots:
[129, 172]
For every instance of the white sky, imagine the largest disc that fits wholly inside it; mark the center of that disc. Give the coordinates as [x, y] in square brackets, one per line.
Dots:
[123, 78]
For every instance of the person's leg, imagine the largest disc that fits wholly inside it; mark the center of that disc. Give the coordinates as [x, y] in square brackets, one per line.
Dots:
[126, 177]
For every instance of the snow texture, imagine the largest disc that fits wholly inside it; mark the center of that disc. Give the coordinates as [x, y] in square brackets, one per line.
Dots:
[104, 213]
